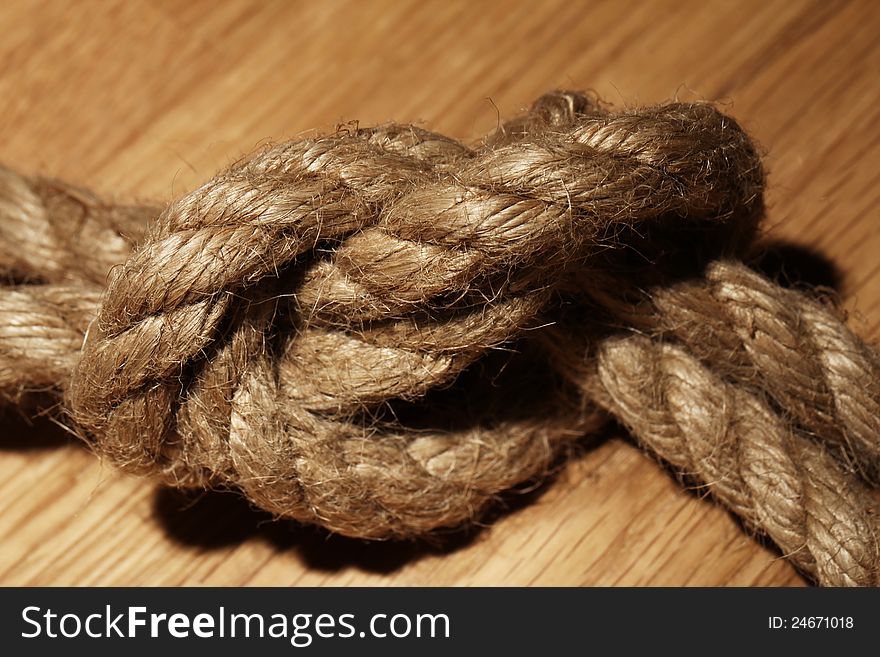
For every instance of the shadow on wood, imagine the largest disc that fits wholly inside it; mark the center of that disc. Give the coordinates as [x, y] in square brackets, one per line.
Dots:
[29, 429]
[795, 265]
[216, 519]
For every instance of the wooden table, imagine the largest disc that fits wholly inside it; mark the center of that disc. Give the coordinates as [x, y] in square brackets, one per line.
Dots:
[147, 99]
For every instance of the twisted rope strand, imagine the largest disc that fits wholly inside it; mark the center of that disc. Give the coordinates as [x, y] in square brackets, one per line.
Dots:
[781, 342]
[776, 480]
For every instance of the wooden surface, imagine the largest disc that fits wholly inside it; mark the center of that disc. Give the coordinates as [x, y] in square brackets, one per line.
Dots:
[147, 99]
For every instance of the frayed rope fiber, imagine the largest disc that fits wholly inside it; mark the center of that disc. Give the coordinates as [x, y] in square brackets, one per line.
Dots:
[380, 330]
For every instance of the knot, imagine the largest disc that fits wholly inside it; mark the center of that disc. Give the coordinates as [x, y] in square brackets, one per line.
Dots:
[380, 329]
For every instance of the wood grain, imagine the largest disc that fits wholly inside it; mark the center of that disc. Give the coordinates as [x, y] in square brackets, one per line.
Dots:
[147, 99]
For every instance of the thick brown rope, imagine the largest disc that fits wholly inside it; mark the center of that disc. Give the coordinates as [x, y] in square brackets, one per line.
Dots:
[787, 344]
[729, 441]
[380, 330]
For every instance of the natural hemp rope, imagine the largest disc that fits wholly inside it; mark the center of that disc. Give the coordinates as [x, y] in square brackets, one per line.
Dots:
[380, 330]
